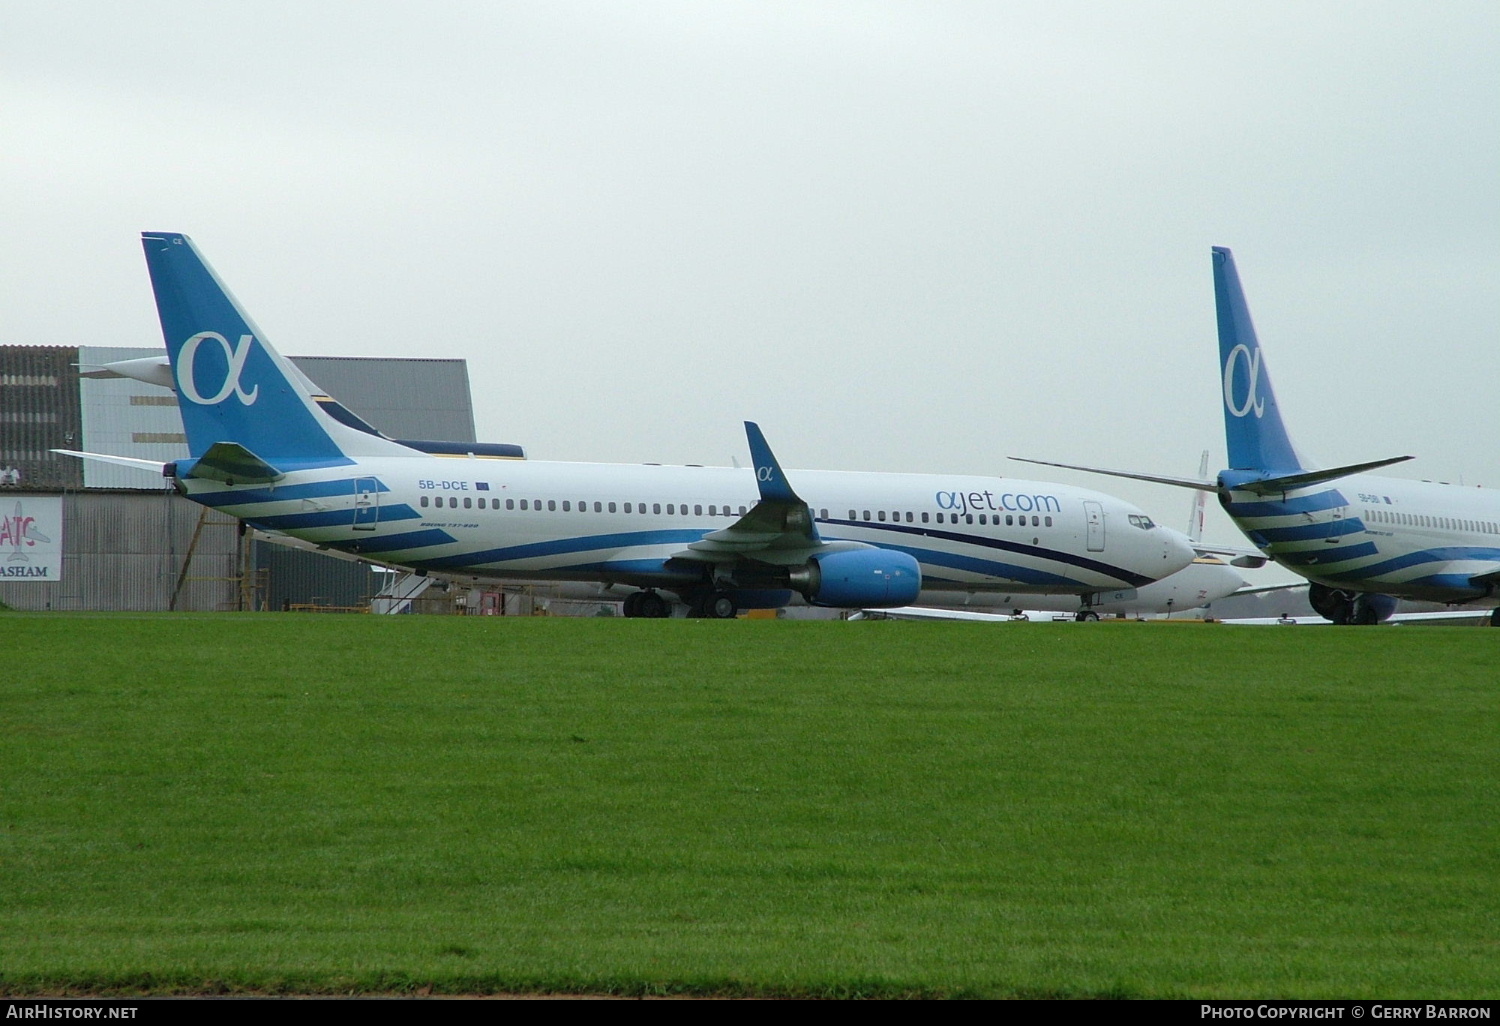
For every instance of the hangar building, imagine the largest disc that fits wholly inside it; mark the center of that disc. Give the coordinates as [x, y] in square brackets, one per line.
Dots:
[79, 534]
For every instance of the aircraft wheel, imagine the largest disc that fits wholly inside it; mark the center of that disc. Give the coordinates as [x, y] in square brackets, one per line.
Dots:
[1087, 616]
[1362, 612]
[719, 606]
[632, 606]
[1495, 618]
[652, 606]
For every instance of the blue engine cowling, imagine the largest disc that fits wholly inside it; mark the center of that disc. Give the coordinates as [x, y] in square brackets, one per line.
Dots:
[877, 578]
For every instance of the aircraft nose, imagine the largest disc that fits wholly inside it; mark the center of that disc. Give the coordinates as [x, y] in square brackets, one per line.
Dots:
[1177, 550]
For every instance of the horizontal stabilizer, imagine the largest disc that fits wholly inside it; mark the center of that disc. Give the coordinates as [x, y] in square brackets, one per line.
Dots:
[1289, 482]
[1248, 559]
[151, 466]
[1179, 482]
[232, 463]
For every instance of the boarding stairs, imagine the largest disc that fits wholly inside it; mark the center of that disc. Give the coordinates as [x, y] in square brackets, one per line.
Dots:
[397, 596]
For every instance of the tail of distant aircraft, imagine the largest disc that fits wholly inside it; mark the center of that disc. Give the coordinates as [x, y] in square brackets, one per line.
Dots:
[1261, 455]
[1253, 428]
[248, 413]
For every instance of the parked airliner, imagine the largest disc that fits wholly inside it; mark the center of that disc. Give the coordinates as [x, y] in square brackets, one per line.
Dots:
[1362, 544]
[265, 450]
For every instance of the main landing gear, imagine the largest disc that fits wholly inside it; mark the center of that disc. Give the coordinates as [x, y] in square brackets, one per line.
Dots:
[714, 605]
[1086, 616]
[646, 605]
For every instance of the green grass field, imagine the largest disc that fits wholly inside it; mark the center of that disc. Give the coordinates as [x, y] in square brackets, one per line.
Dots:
[333, 803]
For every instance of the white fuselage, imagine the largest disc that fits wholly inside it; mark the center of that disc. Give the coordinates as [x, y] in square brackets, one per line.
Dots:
[532, 520]
[1409, 539]
[1203, 581]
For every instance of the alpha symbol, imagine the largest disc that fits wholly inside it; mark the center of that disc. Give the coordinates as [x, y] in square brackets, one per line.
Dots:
[764, 474]
[234, 356]
[1253, 401]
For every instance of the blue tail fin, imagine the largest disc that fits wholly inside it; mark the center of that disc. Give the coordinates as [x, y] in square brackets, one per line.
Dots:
[1253, 429]
[233, 388]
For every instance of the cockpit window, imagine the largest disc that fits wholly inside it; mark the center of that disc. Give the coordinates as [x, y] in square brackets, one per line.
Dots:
[1143, 522]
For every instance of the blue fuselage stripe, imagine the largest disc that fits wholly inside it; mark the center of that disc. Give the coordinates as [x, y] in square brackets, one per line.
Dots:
[1309, 532]
[560, 546]
[1034, 551]
[1332, 499]
[288, 493]
[327, 518]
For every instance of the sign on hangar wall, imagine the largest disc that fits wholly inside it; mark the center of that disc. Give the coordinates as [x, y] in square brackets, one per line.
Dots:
[31, 538]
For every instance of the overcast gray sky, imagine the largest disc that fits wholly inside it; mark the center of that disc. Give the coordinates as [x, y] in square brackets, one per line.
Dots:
[903, 236]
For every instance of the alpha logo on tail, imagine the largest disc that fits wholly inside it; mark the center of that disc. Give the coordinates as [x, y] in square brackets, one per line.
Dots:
[1253, 401]
[235, 389]
[187, 370]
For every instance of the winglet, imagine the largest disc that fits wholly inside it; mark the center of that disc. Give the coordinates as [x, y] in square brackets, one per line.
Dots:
[768, 474]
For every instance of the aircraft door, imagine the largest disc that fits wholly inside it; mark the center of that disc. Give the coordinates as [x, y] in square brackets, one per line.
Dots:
[1093, 515]
[366, 503]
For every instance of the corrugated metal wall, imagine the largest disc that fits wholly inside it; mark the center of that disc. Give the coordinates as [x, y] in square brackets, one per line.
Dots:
[125, 550]
[297, 577]
[39, 411]
[125, 417]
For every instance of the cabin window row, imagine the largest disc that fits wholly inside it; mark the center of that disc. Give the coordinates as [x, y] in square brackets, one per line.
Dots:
[582, 506]
[1385, 516]
[985, 519]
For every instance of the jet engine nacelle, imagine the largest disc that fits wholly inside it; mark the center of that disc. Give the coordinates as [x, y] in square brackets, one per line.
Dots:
[860, 578]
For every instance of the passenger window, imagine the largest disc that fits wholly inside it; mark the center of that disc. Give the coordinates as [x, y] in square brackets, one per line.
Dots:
[552, 505]
[671, 509]
[924, 518]
[743, 511]
[423, 502]
[983, 519]
[598, 506]
[1049, 521]
[711, 511]
[940, 518]
[453, 502]
[851, 515]
[697, 509]
[1009, 520]
[656, 507]
[1036, 521]
[468, 502]
[867, 514]
[510, 503]
[524, 504]
[628, 509]
[880, 515]
[968, 518]
[641, 508]
[908, 516]
[567, 506]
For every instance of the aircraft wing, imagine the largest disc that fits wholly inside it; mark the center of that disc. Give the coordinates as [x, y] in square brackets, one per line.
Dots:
[152, 466]
[777, 529]
[1180, 482]
[1245, 558]
[924, 613]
